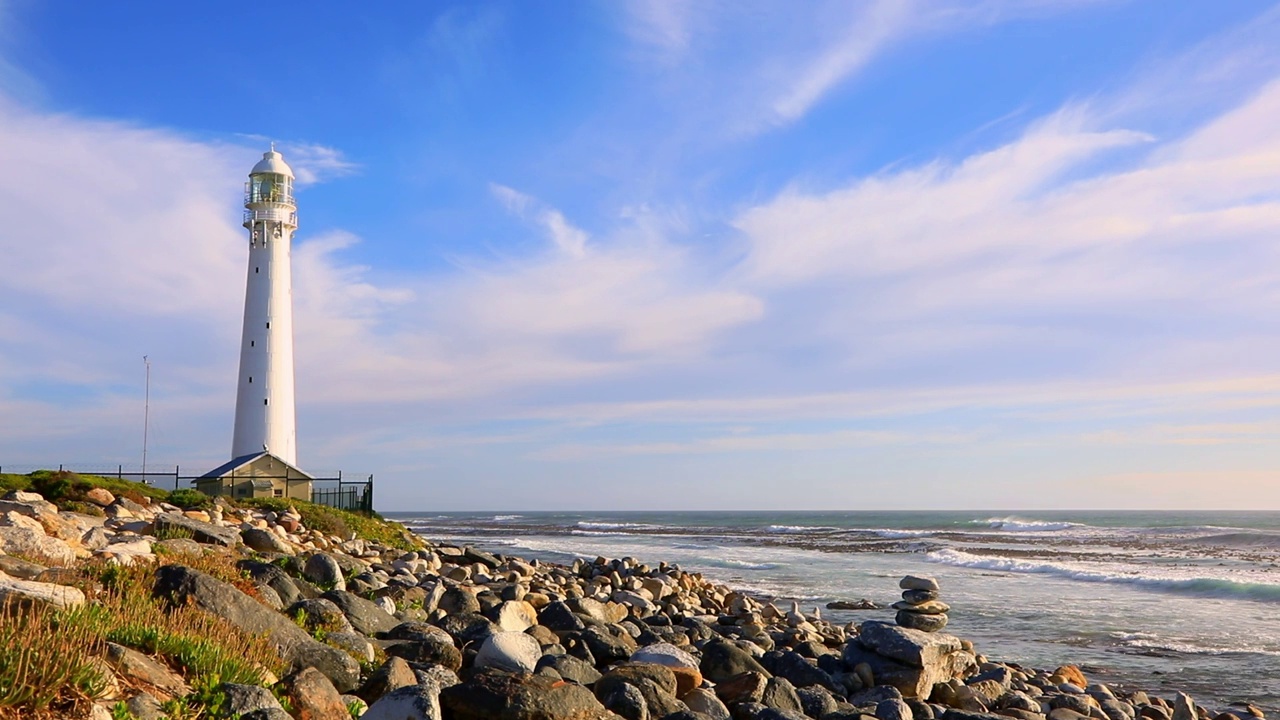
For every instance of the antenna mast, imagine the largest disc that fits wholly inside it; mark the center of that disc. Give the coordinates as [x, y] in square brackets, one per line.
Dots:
[146, 415]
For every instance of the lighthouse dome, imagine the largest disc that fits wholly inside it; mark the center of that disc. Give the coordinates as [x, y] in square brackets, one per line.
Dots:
[272, 162]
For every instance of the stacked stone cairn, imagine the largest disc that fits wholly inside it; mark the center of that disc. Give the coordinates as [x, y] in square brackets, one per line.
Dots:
[456, 633]
[920, 608]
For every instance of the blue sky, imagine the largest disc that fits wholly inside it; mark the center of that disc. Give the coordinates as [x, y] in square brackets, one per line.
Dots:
[862, 255]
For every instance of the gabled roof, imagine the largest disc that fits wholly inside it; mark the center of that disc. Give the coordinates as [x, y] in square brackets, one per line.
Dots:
[228, 467]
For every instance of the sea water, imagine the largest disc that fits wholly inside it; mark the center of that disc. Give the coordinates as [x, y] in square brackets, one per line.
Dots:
[1141, 600]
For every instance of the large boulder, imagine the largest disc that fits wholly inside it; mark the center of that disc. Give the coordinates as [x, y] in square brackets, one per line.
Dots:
[911, 647]
[492, 695]
[178, 525]
[265, 541]
[796, 668]
[912, 682]
[684, 665]
[412, 702]
[365, 616]
[27, 593]
[722, 660]
[184, 585]
[512, 651]
[323, 570]
[314, 697]
[34, 544]
[137, 667]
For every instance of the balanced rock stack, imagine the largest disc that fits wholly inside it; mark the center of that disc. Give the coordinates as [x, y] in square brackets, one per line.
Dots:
[920, 608]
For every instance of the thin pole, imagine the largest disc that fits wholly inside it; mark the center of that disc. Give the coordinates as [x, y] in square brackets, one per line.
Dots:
[146, 415]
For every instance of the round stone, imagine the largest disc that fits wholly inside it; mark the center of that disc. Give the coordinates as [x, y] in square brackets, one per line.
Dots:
[931, 607]
[920, 621]
[911, 582]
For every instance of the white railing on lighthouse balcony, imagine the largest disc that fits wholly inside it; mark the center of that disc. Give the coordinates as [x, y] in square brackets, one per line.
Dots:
[274, 194]
[273, 215]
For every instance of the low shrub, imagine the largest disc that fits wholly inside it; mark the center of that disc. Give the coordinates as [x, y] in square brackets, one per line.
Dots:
[189, 499]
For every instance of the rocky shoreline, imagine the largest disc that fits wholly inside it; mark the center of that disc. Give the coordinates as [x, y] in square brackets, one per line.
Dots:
[447, 632]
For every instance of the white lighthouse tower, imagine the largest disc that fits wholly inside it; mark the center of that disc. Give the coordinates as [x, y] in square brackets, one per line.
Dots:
[265, 421]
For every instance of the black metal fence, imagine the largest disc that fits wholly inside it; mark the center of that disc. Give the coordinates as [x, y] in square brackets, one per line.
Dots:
[344, 492]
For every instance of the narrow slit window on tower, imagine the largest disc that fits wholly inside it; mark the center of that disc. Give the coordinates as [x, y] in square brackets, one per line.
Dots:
[264, 401]
[251, 378]
[268, 326]
[251, 343]
[255, 271]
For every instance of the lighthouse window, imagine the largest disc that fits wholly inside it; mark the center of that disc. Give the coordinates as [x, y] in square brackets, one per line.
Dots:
[251, 343]
[255, 271]
[250, 378]
[264, 401]
[268, 326]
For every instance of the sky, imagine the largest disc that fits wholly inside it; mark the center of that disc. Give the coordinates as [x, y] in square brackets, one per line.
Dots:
[875, 254]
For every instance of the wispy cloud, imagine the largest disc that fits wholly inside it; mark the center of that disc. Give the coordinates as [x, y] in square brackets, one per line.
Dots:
[313, 163]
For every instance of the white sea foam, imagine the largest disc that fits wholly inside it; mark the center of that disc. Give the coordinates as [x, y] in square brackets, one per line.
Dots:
[506, 518]
[1214, 587]
[740, 564]
[795, 529]
[889, 534]
[1017, 524]
[619, 526]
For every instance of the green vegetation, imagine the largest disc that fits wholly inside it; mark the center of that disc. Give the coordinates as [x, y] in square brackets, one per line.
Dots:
[189, 499]
[47, 664]
[342, 523]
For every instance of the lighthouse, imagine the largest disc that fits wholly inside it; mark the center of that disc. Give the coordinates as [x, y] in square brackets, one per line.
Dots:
[265, 421]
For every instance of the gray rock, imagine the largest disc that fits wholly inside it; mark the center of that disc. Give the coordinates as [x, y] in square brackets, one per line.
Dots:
[814, 700]
[267, 714]
[780, 694]
[511, 651]
[457, 601]
[265, 541]
[911, 582]
[131, 664]
[558, 617]
[201, 532]
[607, 646]
[144, 706]
[28, 593]
[705, 702]
[919, 596]
[920, 621]
[394, 674]
[794, 667]
[626, 700]
[912, 647]
[19, 568]
[412, 702]
[490, 694]
[184, 585]
[665, 654]
[515, 616]
[571, 668]
[365, 616]
[1184, 708]
[323, 570]
[274, 577]
[356, 645]
[722, 660]
[928, 607]
[319, 614]
[243, 699]
[35, 544]
[893, 709]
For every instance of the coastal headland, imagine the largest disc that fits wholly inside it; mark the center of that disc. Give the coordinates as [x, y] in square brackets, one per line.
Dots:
[123, 601]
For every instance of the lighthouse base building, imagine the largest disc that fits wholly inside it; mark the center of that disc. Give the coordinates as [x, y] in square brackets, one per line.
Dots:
[264, 446]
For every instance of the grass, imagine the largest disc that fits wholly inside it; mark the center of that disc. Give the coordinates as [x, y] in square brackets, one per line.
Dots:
[47, 665]
[342, 523]
[68, 490]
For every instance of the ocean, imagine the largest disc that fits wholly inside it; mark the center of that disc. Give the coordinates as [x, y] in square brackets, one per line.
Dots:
[1160, 601]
